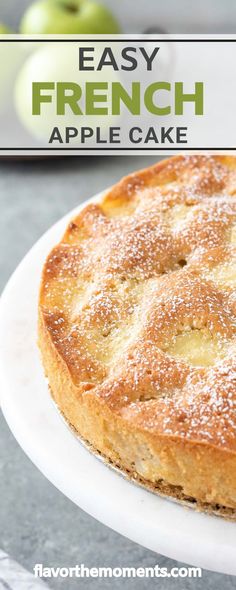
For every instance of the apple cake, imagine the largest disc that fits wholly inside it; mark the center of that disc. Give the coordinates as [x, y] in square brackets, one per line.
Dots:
[137, 328]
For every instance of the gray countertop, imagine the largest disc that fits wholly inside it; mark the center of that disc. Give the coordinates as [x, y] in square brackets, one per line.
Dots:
[37, 523]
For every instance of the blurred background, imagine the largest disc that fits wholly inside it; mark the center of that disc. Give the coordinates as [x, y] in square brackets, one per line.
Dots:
[37, 523]
[182, 16]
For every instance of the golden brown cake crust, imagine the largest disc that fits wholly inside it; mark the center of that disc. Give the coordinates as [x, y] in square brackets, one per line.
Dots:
[137, 326]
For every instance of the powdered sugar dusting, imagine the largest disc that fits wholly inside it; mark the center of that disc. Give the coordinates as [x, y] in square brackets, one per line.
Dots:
[140, 301]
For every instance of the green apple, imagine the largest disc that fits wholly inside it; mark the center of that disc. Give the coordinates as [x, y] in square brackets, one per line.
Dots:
[12, 57]
[68, 17]
[4, 30]
[56, 62]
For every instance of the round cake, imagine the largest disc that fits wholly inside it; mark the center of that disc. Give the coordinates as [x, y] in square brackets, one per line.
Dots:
[137, 328]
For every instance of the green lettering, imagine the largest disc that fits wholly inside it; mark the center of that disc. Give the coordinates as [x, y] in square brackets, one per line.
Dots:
[148, 98]
[131, 102]
[196, 97]
[71, 99]
[92, 98]
[38, 98]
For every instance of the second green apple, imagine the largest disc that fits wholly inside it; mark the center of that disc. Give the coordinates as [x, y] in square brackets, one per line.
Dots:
[68, 17]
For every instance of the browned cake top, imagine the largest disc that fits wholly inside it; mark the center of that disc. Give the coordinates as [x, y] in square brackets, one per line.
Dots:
[139, 299]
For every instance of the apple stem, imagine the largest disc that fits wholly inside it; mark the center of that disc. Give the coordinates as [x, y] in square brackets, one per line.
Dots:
[70, 7]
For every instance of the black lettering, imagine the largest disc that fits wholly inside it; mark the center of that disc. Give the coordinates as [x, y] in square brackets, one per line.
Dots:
[133, 131]
[56, 136]
[181, 134]
[165, 134]
[133, 61]
[83, 57]
[149, 59]
[107, 53]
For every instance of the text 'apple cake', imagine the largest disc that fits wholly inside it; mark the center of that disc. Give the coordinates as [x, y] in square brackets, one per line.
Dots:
[137, 328]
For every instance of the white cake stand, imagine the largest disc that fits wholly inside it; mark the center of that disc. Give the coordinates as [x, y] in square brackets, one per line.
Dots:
[151, 521]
